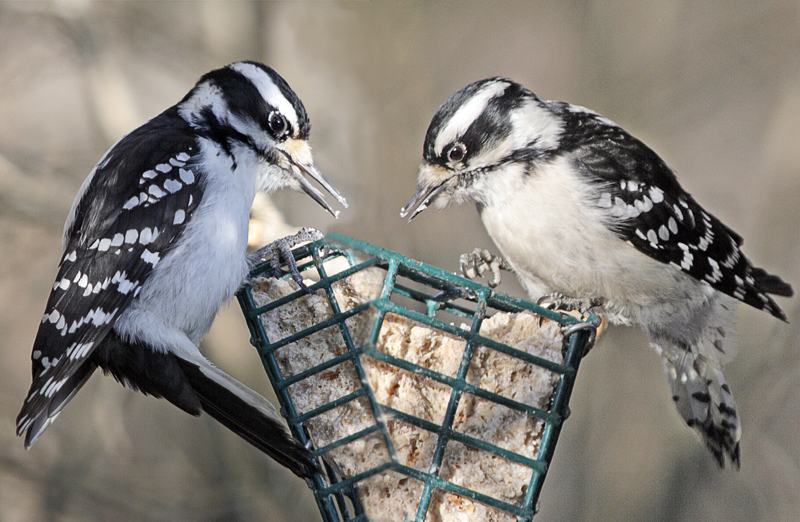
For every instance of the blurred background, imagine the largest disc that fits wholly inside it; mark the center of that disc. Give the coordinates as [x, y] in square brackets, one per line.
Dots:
[712, 86]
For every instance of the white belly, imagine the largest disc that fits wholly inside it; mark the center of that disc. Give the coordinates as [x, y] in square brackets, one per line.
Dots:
[204, 269]
[556, 241]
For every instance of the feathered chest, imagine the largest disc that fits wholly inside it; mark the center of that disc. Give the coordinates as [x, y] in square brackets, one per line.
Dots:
[548, 227]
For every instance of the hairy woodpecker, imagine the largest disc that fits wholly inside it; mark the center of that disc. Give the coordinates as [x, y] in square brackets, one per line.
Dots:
[155, 243]
[587, 215]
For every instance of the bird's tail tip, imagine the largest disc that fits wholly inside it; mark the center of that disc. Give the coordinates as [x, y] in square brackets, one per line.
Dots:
[249, 415]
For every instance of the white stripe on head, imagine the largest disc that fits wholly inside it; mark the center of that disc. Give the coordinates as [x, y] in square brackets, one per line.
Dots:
[533, 120]
[205, 95]
[468, 113]
[268, 90]
[528, 122]
[600, 117]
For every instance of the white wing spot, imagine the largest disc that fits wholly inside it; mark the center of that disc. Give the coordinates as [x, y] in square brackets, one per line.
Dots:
[156, 191]
[164, 167]
[36, 354]
[105, 243]
[72, 257]
[150, 174]
[131, 235]
[95, 244]
[117, 240]
[52, 316]
[82, 349]
[663, 233]
[651, 236]
[182, 157]
[673, 225]
[656, 194]
[131, 203]
[84, 280]
[126, 286]
[172, 186]
[180, 216]
[175, 162]
[146, 236]
[150, 257]
[187, 176]
[686, 263]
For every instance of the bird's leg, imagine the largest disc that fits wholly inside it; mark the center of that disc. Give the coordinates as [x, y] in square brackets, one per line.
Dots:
[282, 250]
[556, 301]
[473, 265]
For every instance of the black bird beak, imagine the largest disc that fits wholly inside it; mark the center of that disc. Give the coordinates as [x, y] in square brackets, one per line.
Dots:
[432, 180]
[422, 198]
[314, 173]
[300, 162]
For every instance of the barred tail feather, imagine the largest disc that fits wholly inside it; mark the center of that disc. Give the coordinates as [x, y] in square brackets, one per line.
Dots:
[34, 419]
[705, 402]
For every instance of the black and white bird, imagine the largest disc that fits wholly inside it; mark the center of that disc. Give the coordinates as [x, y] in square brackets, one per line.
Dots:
[588, 216]
[155, 243]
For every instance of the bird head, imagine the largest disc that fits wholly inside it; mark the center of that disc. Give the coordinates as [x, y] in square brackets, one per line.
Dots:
[258, 119]
[486, 129]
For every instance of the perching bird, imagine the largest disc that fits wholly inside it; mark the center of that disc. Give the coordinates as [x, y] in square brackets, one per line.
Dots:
[586, 215]
[156, 241]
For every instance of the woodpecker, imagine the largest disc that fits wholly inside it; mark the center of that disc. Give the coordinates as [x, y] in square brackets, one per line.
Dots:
[155, 243]
[588, 216]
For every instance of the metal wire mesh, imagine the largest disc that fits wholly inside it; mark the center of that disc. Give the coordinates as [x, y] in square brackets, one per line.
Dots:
[433, 297]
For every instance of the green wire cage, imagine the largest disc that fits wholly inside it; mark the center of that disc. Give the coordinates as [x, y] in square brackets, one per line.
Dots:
[438, 301]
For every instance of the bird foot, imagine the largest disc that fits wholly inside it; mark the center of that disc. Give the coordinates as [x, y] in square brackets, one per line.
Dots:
[473, 265]
[556, 301]
[282, 250]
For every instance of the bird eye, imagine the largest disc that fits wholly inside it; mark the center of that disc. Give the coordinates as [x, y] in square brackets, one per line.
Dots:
[456, 153]
[277, 123]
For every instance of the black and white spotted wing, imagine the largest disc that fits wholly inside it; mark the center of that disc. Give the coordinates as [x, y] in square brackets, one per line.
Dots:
[110, 249]
[653, 213]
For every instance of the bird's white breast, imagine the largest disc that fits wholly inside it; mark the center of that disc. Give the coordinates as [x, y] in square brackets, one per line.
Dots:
[546, 225]
[206, 266]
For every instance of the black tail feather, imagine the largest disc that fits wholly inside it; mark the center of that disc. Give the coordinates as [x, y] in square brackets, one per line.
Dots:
[139, 367]
[249, 417]
[771, 284]
[197, 386]
[42, 418]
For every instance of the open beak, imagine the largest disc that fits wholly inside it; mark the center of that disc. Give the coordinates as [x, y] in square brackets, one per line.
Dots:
[431, 182]
[422, 198]
[301, 163]
[315, 174]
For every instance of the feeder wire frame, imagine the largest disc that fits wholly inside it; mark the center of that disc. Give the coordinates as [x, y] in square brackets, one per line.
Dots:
[333, 493]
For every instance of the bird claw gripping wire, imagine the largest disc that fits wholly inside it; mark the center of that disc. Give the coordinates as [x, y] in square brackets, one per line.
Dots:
[570, 330]
[282, 250]
[558, 301]
[473, 265]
